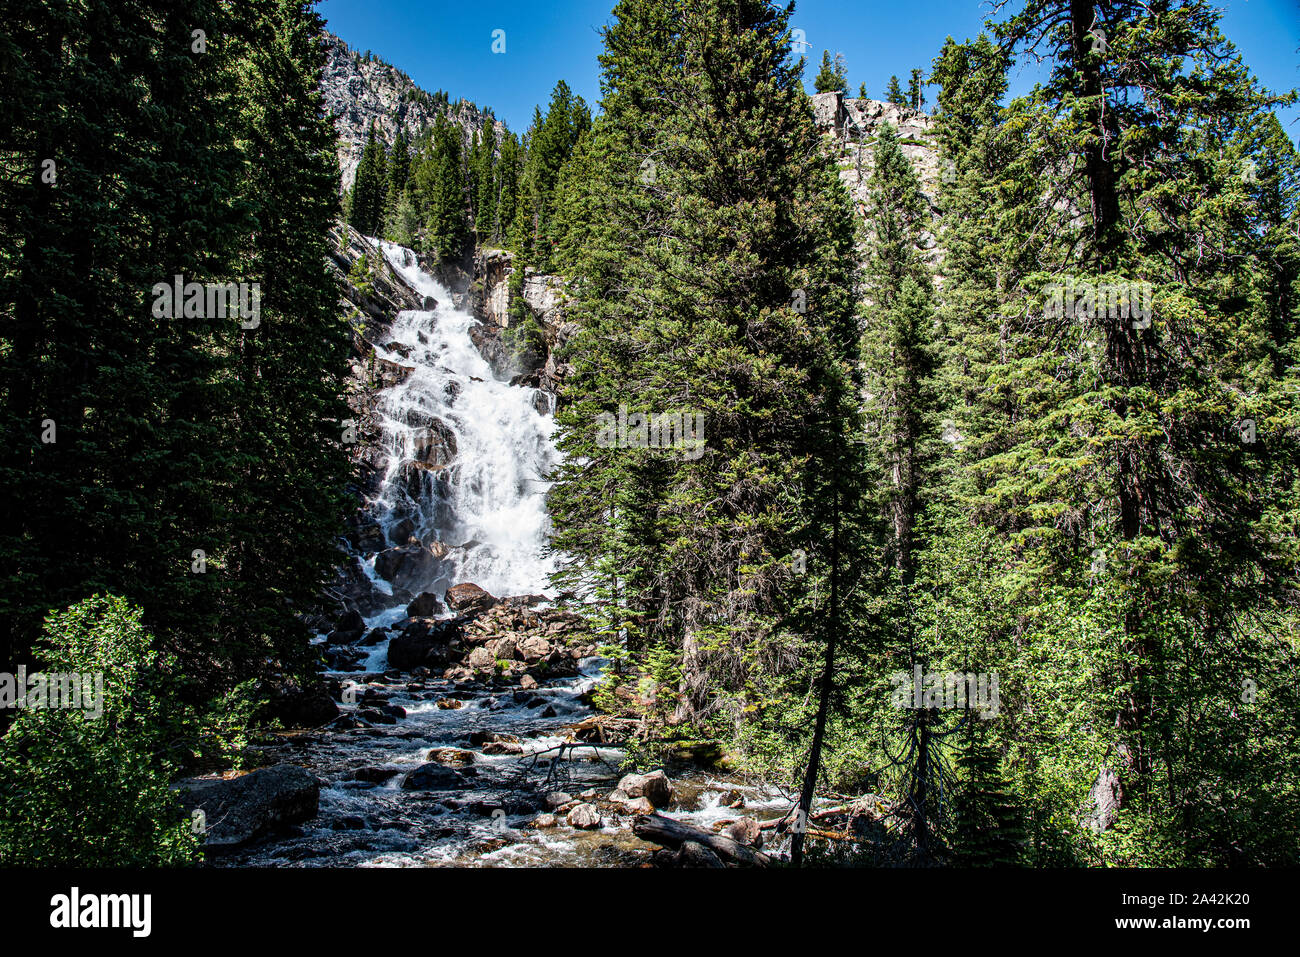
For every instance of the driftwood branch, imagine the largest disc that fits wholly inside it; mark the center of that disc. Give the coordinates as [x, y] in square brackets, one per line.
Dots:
[666, 832]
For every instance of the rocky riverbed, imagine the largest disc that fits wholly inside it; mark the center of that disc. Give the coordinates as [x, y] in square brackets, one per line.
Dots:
[483, 750]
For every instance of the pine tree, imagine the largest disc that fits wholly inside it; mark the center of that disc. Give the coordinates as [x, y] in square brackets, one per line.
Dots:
[832, 76]
[894, 93]
[366, 204]
[507, 183]
[399, 171]
[1073, 421]
[741, 311]
[446, 193]
[915, 93]
[177, 432]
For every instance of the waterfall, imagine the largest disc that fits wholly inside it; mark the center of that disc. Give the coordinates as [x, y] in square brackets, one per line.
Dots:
[467, 454]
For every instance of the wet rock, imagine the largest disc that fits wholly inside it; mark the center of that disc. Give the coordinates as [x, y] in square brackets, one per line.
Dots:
[347, 629]
[375, 716]
[385, 373]
[372, 774]
[365, 534]
[373, 637]
[558, 799]
[746, 831]
[480, 738]
[468, 597]
[426, 605]
[407, 566]
[636, 805]
[585, 817]
[692, 854]
[451, 757]
[424, 642]
[401, 532]
[433, 777]
[528, 682]
[549, 712]
[654, 786]
[435, 447]
[450, 704]
[544, 820]
[239, 810]
[350, 822]
[503, 747]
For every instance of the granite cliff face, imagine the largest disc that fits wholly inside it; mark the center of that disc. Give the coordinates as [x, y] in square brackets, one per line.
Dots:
[358, 91]
[852, 126]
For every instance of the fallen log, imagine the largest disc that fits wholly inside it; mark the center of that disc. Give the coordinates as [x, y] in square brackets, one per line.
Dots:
[669, 833]
[853, 808]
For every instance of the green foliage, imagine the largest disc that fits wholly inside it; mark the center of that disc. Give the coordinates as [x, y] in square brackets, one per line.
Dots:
[832, 76]
[370, 188]
[894, 93]
[173, 434]
[78, 790]
[740, 309]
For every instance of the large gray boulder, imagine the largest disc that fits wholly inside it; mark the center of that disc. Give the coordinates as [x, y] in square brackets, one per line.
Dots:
[237, 811]
[654, 786]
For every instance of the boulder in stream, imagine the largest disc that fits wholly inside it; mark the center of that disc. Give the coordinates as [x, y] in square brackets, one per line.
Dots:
[423, 642]
[433, 777]
[585, 817]
[239, 810]
[426, 605]
[407, 566]
[655, 787]
[468, 597]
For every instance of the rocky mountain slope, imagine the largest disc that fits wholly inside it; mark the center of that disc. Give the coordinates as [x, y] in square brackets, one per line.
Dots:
[359, 90]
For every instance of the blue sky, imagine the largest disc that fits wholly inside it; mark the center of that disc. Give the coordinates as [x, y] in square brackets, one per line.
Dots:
[447, 45]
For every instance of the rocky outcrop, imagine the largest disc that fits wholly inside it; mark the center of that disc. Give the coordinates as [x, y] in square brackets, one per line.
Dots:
[230, 812]
[852, 126]
[359, 90]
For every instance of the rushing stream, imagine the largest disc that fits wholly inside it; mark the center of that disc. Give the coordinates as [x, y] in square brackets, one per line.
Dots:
[484, 501]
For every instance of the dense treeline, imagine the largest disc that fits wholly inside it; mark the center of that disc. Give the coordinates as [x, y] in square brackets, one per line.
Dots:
[183, 454]
[455, 189]
[1034, 424]
[1069, 469]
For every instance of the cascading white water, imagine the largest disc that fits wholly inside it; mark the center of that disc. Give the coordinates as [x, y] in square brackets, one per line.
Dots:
[491, 494]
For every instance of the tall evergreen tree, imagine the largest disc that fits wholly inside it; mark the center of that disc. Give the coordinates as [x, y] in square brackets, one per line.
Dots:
[366, 201]
[832, 76]
[915, 91]
[894, 92]
[740, 310]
